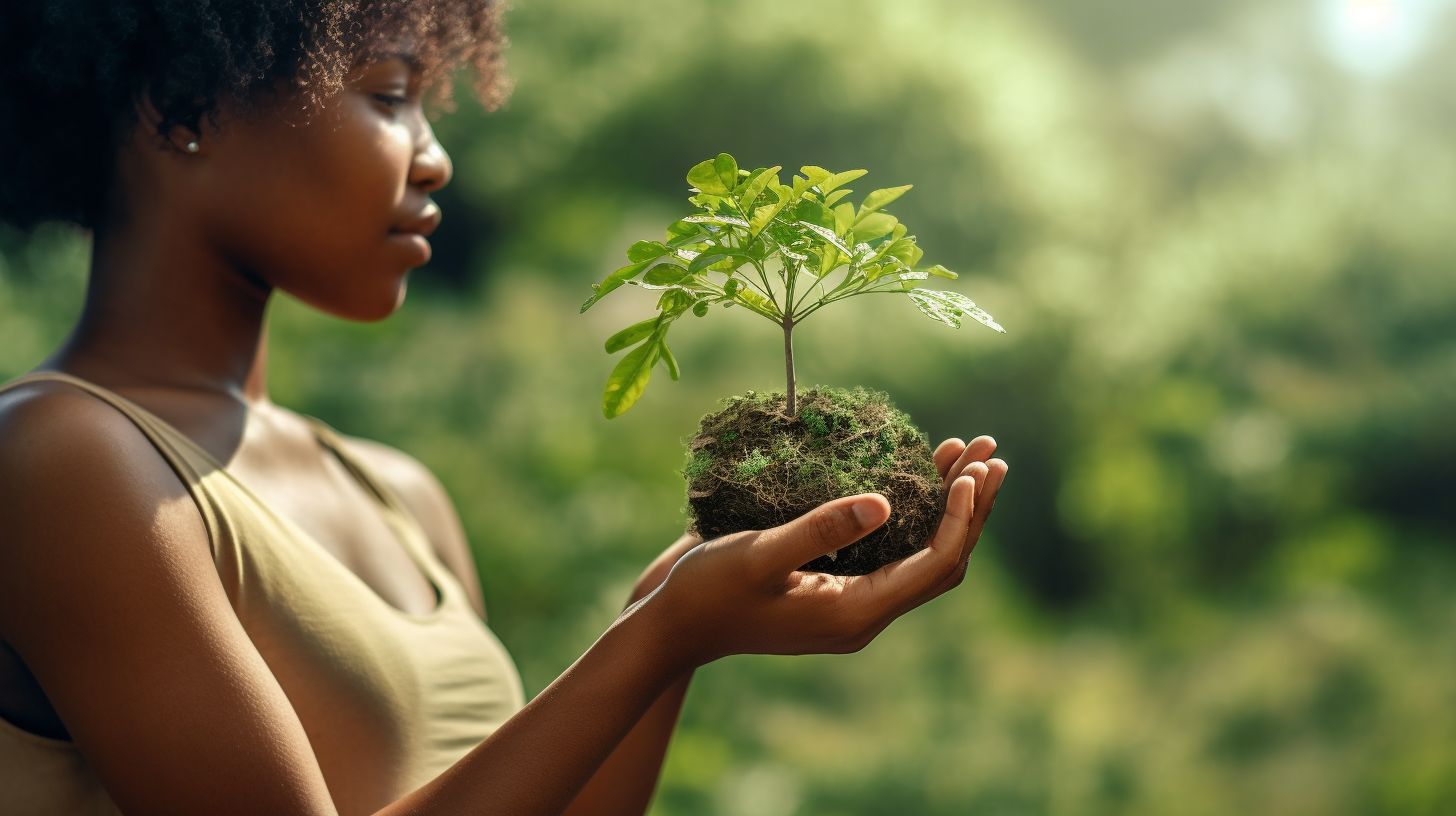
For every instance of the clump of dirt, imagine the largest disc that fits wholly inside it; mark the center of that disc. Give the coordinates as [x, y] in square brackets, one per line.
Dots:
[751, 467]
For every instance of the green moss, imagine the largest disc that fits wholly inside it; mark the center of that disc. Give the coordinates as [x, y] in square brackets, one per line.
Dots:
[700, 462]
[784, 449]
[729, 436]
[753, 464]
[814, 421]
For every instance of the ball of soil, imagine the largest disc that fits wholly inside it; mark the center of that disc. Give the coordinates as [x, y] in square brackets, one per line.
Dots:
[751, 466]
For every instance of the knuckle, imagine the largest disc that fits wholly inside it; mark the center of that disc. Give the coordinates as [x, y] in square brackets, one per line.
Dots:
[824, 527]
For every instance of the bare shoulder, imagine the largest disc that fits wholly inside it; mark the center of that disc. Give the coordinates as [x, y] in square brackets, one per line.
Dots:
[430, 503]
[110, 595]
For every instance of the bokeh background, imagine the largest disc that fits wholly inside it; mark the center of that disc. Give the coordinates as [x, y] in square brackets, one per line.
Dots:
[1220, 578]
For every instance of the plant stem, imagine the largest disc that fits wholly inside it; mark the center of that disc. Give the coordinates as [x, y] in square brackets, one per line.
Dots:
[789, 360]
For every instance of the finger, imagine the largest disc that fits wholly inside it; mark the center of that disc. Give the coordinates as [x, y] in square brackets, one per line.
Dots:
[830, 526]
[946, 454]
[986, 500]
[979, 450]
[902, 585]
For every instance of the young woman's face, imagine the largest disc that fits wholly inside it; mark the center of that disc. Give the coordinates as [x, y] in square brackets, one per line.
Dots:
[330, 211]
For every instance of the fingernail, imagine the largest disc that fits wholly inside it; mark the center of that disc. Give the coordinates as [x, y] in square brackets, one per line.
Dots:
[864, 513]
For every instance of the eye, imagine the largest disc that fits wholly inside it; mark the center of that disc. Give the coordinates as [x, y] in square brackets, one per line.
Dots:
[391, 100]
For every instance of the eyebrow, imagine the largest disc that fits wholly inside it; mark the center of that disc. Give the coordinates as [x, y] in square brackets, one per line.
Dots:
[409, 58]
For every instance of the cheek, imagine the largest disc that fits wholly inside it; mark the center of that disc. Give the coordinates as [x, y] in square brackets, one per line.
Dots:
[316, 203]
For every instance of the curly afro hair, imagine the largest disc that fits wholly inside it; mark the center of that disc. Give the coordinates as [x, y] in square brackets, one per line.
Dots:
[72, 70]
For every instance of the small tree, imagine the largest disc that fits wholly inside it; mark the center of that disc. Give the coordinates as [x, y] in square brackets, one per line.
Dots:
[755, 231]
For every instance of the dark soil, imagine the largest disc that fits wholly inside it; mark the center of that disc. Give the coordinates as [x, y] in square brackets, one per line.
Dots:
[752, 467]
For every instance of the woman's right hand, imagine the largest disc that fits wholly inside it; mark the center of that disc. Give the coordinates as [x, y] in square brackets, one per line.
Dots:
[744, 594]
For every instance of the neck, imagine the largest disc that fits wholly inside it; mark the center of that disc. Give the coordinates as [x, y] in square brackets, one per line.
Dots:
[166, 314]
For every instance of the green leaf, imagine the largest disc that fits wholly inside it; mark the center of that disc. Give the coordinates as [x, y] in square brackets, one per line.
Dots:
[674, 302]
[813, 176]
[646, 251]
[727, 170]
[941, 272]
[701, 308]
[757, 183]
[704, 176]
[874, 225]
[814, 212]
[613, 281]
[629, 378]
[843, 218]
[834, 197]
[840, 179]
[717, 256]
[731, 287]
[755, 301]
[717, 220]
[876, 201]
[827, 235]
[950, 307]
[906, 250]
[672, 370]
[764, 215]
[682, 232]
[631, 335]
[665, 274]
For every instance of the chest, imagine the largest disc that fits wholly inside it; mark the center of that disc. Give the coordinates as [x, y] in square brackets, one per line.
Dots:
[279, 459]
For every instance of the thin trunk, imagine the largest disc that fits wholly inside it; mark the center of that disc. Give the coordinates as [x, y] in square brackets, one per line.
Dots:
[789, 361]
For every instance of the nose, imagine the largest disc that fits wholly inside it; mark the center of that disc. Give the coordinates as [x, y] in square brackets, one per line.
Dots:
[431, 168]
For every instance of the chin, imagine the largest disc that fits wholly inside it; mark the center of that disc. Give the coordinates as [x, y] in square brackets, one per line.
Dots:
[363, 306]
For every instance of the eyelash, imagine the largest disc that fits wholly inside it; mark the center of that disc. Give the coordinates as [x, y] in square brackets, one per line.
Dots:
[391, 100]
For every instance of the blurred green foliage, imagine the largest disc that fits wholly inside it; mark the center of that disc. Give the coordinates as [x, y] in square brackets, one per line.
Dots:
[1219, 580]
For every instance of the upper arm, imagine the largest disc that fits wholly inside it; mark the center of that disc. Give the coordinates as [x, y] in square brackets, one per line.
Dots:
[109, 593]
[428, 500]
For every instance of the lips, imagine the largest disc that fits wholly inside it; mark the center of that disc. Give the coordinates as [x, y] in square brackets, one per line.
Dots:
[423, 223]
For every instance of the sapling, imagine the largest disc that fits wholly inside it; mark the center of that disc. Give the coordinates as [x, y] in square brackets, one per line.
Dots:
[783, 252]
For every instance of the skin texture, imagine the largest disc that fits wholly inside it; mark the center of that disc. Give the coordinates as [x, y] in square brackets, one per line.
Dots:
[101, 535]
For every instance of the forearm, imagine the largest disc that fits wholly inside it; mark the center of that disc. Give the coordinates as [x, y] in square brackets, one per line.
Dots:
[541, 758]
[624, 784]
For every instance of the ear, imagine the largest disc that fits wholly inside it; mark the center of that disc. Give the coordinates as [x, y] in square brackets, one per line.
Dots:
[149, 118]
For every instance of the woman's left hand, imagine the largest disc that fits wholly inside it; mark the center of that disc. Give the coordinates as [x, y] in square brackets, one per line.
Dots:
[657, 571]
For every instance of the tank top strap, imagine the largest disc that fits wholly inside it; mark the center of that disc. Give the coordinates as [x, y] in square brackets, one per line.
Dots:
[362, 473]
[169, 442]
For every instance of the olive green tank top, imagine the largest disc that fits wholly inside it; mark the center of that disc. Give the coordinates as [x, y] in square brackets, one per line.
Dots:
[388, 699]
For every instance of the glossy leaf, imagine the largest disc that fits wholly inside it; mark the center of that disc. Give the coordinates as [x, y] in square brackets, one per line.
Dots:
[874, 225]
[680, 232]
[950, 307]
[629, 378]
[879, 199]
[827, 235]
[705, 177]
[839, 179]
[716, 256]
[727, 170]
[664, 274]
[631, 335]
[672, 370]
[757, 183]
[613, 281]
[757, 302]
[717, 220]
[646, 251]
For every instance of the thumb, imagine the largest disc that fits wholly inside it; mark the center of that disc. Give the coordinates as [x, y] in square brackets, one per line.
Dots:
[826, 528]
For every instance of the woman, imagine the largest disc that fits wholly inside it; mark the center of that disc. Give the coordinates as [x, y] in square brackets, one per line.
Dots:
[212, 604]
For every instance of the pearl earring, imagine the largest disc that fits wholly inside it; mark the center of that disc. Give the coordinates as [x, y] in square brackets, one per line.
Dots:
[192, 147]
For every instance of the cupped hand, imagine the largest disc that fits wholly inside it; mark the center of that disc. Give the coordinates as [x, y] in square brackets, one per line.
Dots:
[744, 594]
